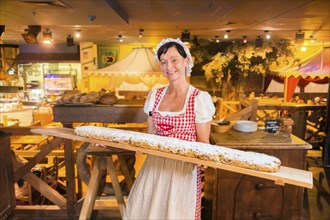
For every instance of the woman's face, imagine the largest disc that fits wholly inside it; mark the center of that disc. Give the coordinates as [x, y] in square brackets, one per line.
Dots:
[172, 64]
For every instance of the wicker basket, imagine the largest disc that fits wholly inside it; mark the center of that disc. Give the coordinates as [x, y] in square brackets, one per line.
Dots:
[220, 128]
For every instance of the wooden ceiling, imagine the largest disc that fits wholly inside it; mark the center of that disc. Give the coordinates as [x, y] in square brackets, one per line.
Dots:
[101, 21]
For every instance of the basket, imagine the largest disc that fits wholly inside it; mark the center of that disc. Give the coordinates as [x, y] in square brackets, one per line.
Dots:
[220, 128]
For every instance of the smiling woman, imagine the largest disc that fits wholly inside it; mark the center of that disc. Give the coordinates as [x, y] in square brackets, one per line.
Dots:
[181, 111]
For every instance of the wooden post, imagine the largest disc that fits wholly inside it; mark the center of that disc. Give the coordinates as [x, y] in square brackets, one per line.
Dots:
[254, 110]
[7, 195]
[70, 176]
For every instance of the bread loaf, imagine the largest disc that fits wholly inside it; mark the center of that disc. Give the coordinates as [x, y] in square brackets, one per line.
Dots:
[202, 151]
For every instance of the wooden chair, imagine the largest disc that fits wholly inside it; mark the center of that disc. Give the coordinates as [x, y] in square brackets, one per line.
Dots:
[102, 163]
[247, 113]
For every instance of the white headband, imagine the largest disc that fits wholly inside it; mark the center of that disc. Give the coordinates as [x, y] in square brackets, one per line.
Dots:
[186, 50]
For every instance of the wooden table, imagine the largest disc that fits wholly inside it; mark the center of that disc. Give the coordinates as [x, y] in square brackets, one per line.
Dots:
[32, 140]
[121, 112]
[237, 196]
[298, 112]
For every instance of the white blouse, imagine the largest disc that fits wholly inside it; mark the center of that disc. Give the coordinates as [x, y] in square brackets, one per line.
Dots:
[204, 107]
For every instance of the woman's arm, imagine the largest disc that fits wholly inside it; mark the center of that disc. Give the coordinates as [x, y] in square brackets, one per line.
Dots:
[203, 132]
[151, 127]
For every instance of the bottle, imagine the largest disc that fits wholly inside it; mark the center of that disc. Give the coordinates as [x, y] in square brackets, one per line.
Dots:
[5, 120]
[287, 125]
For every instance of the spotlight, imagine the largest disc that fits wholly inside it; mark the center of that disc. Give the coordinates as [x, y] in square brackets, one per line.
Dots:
[78, 33]
[216, 38]
[2, 30]
[47, 36]
[244, 39]
[267, 35]
[259, 42]
[69, 41]
[140, 32]
[120, 38]
[303, 49]
[31, 34]
[300, 37]
[311, 39]
[185, 37]
[226, 36]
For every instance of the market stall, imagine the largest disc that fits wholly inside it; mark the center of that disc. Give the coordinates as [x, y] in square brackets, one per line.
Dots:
[139, 66]
[313, 69]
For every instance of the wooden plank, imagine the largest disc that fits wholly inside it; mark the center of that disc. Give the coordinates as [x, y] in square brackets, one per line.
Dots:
[41, 186]
[17, 130]
[284, 176]
[238, 115]
[70, 176]
[116, 185]
[127, 174]
[32, 153]
[92, 189]
[7, 193]
[37, 158]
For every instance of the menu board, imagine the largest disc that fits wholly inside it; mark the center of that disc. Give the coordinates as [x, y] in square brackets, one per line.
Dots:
[58, 82]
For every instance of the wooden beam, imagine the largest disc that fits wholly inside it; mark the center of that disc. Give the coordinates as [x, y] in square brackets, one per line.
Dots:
[70, 176]
[41, 186]
[288, 175]
[36, 159]
[17, 130]
[119, 10]
[92, 189]
[7, 195]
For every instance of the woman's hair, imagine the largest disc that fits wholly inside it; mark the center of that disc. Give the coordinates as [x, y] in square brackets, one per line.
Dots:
[163, 49]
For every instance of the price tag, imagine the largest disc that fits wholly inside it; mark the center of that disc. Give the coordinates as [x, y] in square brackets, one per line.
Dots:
[272, 125]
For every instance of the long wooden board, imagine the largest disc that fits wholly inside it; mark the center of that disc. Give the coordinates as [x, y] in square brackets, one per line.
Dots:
[285, 175]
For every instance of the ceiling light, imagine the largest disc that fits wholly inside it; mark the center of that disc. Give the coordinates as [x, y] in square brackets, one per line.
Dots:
[140, 32]
[47, 37]
[311, 39]
[267, 35]
[259, 42]
[185, 37]
[31, 34]
[226, 36]
[69, 41]
[300, 37]
[216, 38]
[120, 38]
[78, 34]
[303, 49]
[244, 39]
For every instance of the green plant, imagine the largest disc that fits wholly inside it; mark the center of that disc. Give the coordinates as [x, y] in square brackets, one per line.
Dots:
[239, 60]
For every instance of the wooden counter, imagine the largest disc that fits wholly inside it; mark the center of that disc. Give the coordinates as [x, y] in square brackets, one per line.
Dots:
[231, 195]
[120, 113]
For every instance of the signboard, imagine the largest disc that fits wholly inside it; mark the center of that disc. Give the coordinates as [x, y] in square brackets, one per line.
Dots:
[272, 125]
[58, 82]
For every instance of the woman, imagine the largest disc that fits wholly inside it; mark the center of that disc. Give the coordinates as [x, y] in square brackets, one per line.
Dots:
[167, 188]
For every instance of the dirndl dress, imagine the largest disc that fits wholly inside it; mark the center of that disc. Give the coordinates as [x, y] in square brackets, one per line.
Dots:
[167, 188]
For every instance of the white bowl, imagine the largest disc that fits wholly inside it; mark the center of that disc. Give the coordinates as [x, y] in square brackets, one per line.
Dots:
[246, 126]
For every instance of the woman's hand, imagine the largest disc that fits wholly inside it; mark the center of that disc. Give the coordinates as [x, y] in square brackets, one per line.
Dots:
[98, 145]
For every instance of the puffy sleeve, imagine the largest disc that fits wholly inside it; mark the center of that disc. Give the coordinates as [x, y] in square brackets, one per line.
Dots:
[150, 100]
[204, 107]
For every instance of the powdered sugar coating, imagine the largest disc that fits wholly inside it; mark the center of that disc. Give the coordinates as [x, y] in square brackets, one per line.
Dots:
[203, 151]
